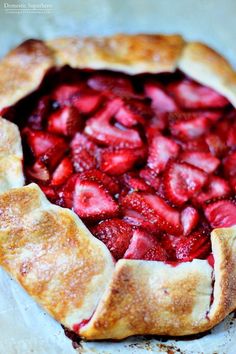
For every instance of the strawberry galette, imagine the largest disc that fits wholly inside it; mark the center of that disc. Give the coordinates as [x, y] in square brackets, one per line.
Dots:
[125, 224]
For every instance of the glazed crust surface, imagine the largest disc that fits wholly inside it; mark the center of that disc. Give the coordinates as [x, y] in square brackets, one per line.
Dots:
[135, 297]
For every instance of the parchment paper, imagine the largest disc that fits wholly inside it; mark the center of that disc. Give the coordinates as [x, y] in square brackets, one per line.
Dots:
[24, 327]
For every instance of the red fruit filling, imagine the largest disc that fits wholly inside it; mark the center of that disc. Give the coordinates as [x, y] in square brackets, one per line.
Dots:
[148, 162]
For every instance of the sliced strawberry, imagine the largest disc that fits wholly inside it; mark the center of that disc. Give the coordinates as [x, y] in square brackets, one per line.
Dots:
[132, 112]
[67, 191]
[65, 92]
[118, 161]
[40, 142]
[195, 245]
[101, 130]
[230, 164]
[198, 144]
[161, 149]
[157, 253]
[189, 219]
[135, 183]
[39, 114]
[106, 82]
[190, 125]
[145, 246]
[161, 101]
[82, 141]
[49, 192]
[192, 95]
[221, 214]
[110, 183]
[216, 145]
[87, 101]
[203, 160]
[156, 125]
[152, 212]
[217, 187]
[182, 181]
[231, 140]
[83, 153]
[52, 157]
[38, 171]
[92, 201]
[63, 171]
[116, 234]
[150, 177]
[66, 121]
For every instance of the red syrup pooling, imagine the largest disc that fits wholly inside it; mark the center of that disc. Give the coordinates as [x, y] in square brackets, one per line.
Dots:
[146, 161]
[77, 326]
[211, 262]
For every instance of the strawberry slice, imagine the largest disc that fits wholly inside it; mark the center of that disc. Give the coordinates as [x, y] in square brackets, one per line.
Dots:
[135, 183]
[133, 111]
[233, 183]
[38, 171]
[83, 153]
[217, 187]
[101, 130]
[150, 177]
[190, 125]
[63, 93]
[39, 115]
[161, 149]
[192, 95]
[198, 144]
[216, 145]
[110, 183]
[116, 234]
[221, 214]
[230, 164]
[92, 201]
[66, 121]
[40, 142]
[161, 101]
[145, 246]
[231, 139]
[49, 192]
[182, 181]
[106, 82]
[156, 125]
[189, 219]
[151, 212]
[203, 160]
[87, 101]
[63, 171]
[195, 245]
[118, 161]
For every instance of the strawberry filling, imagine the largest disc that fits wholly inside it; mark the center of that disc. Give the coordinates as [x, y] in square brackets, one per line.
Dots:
[148, 162]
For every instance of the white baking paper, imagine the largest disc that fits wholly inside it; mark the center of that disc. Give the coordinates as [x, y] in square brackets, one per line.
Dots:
[24, 327]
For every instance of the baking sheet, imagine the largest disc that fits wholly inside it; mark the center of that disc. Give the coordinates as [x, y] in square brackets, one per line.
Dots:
[24, 327]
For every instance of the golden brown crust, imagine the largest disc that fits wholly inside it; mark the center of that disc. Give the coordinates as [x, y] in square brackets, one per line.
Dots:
[50, 252]
[153, 298]
[209, 68]
[22, 70]
[11, 173]
[128, 53]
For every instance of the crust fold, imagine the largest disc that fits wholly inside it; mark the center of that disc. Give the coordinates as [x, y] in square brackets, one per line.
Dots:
[50, 252]
[153, 298]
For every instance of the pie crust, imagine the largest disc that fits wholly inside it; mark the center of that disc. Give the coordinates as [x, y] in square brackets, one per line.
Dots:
[130, 297]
